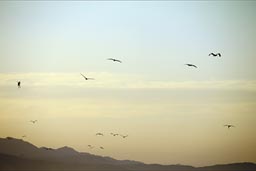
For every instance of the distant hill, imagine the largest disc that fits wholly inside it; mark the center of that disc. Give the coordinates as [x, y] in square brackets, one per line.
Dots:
[23, 149]
[246, 166]
[16, 154]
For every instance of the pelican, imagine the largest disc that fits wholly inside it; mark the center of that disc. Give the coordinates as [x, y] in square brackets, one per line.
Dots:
[101, 148]
[229, 126]
[90, 146]
[115, 60]
[100, 134]
[215, 54]
[33, 121]
[192, 65]
[18, 84]
[124, 136]
[114, 134]
[86, 78]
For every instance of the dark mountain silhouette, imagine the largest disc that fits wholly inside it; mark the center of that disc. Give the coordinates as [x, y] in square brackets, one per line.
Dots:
[11, 163]
[16, 154]
[230, 167]
[18, 147]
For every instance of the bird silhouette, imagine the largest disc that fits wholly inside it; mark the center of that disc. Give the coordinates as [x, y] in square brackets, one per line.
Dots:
[90, 146]
[115, 60]
[229, 126]
[124, 136]
[33, 121]
[18, 84]
[86, 78]
[114, 134]
[99, 134]
[215, 54]
[191, 65]
[24, 136]
[101, 148]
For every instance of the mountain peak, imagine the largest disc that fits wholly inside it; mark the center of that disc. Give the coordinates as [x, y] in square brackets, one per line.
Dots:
[11, 138]
[67, 150]
[15, 141]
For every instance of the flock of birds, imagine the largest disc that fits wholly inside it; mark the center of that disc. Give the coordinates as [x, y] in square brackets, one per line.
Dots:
[116, 134]
[113, 134]
[117, 60]
[89, 146]
[101, 134]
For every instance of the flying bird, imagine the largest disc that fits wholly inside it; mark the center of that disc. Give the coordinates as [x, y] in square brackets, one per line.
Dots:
[114, 134]
[18, 84]
[115, 60]
[100, 134]
[86, 78]
[90, 146]
[229, 126]
[192, 65]
[215, 54]
[33, 121]
[124, 136]
[101, 148]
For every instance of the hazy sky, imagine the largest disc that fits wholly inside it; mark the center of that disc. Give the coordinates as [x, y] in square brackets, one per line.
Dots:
[171, 112]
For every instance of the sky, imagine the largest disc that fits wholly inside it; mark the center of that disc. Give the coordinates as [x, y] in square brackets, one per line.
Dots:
[171, 113]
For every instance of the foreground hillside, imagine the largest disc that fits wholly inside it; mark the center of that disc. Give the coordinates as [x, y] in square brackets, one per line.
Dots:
[16, 154]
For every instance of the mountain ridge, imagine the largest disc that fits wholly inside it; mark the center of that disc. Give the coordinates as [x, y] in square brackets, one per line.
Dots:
[17, 154]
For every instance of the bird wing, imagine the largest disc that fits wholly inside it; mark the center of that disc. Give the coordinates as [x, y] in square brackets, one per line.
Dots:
[83, 76]
[116, 60]
[213, 54]
[191, 65]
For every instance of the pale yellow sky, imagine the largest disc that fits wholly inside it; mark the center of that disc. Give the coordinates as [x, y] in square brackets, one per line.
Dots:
[171, 112]
[170, 122]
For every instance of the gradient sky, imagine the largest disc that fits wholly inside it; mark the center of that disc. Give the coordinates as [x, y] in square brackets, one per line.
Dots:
[172, 113]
